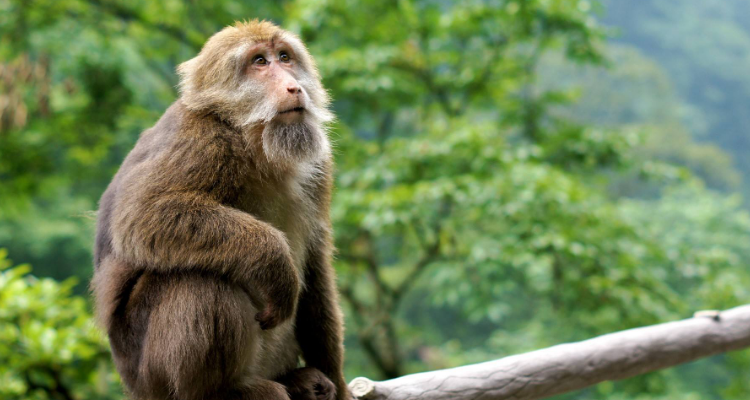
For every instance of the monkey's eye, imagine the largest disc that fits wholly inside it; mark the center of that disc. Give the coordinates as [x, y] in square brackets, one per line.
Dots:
[284, 57]
[260, 60]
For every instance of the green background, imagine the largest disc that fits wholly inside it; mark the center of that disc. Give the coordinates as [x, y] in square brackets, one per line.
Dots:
[511, 174]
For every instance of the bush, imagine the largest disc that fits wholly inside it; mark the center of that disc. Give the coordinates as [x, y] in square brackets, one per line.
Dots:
[49, 346]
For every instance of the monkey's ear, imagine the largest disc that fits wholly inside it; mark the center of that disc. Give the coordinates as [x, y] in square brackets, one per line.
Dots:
[193, 74]
[188, 72]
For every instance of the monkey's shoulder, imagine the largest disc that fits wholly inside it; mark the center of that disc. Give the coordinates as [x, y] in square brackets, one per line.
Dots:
[186, 150]
[199, 136]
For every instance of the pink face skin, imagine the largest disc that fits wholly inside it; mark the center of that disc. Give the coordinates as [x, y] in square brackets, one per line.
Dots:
[275, 65]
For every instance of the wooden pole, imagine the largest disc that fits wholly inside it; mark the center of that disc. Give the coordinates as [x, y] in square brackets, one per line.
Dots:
[573, 366]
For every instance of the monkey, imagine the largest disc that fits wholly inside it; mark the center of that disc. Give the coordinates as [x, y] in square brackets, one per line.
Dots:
[212, 257]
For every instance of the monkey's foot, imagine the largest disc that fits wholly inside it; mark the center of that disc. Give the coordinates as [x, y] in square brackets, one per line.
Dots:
[308, 384]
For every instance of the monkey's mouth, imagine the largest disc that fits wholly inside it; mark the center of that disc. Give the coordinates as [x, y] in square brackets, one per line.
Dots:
[295, 109]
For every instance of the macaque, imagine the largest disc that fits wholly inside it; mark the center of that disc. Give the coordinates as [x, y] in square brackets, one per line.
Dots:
[213, 274]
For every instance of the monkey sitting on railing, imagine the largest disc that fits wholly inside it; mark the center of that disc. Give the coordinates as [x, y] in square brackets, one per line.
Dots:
[213, 251]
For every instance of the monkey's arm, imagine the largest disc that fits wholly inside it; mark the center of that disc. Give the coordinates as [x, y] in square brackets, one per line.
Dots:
[319, 320]
[170, 215]
[185, 231]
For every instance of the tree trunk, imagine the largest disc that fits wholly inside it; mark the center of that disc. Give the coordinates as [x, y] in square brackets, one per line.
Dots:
[574, 366]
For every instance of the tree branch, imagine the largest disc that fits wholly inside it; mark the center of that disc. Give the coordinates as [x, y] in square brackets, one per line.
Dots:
[431, 255]
[366, 337]
[568, 367]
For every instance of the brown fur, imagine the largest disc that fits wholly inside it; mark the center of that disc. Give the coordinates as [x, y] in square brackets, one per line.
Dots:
[213, 251]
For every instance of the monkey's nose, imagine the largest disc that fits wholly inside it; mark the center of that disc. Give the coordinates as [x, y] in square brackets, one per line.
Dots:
[293, 89]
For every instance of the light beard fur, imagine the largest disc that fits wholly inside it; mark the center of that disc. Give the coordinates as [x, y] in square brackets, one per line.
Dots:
[291, 143]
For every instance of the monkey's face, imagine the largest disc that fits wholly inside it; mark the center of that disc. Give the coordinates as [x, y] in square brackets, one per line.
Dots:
[279, 83]
[262, 79]
[274, 67]
[290, 115]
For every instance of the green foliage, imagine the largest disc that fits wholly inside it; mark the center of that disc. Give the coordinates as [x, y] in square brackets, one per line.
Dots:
[49, 348]
[607, 97]
[506, 179]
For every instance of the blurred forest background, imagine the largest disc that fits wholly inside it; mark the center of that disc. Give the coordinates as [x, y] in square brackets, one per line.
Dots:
[512, 174]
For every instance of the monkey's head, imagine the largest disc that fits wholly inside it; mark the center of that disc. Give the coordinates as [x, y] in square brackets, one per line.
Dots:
[261, 79]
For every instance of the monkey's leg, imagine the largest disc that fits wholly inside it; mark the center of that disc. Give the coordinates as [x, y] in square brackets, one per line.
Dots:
[200, 343]
[308, 384]
[319, 322]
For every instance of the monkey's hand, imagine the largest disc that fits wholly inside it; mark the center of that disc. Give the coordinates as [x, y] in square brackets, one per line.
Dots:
[279, 285]
[273, 315]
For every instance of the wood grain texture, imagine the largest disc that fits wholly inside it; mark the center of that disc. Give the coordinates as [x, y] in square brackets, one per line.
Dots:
[573, 366]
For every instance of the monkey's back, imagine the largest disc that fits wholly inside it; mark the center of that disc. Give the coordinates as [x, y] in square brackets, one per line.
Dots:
[151, 143]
